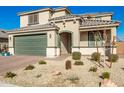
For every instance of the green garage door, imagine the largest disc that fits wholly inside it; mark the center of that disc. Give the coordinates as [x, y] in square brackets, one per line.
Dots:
[31, 45]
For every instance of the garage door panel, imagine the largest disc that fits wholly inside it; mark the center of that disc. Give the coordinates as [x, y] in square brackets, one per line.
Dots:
[31, 45]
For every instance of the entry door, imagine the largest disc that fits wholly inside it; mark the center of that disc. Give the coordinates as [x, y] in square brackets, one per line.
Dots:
[31, 45]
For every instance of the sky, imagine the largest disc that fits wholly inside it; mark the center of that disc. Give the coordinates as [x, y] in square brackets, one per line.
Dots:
[10, 20]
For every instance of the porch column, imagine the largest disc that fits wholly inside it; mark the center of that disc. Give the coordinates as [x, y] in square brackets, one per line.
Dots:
[52, 49]
[11, 44]
[76, 41]
[113, 33]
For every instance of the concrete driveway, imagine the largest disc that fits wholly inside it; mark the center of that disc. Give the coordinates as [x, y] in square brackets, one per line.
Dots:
[16, 62]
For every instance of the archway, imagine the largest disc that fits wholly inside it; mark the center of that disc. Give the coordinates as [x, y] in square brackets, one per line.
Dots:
[65, 42]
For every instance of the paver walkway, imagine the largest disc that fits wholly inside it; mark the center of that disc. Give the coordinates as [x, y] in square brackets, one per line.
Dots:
[16, 62]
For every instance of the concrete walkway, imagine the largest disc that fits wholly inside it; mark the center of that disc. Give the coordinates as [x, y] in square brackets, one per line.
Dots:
[6, 85]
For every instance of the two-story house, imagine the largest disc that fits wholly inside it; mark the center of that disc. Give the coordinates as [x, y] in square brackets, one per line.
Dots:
[53, 32]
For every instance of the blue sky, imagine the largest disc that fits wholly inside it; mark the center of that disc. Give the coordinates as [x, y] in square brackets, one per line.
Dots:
[9, 19]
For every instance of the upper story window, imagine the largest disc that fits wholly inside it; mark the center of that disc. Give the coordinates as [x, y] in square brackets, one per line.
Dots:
[33, 19]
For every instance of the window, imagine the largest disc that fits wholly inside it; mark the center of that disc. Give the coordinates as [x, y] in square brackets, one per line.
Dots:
[91, 40]
[33, 19]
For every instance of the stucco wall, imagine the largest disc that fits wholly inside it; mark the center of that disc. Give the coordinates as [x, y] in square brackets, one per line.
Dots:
[59, 13]
[43, 17]
[73, 28]
[11, 41]
[24, 21]
[51, 39]
[106, 18]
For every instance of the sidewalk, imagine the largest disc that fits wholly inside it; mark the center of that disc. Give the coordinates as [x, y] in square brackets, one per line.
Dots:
[6, 85]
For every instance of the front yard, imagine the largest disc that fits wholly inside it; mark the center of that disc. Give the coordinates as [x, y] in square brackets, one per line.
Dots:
[54, 74]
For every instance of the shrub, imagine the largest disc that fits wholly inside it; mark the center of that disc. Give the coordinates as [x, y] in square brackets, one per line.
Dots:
[10, 75]
[95, 56]
[113, 57]
[93, 69]
[42, 62]
[68, 65]
[38, 76]
[105, 75]
[76, 55]
[29, 67]
[73, 78]
[78, 63]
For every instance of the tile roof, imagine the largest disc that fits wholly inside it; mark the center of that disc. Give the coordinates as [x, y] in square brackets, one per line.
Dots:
[44, 26]
[80, 15]
[3, 34]
[64, 17]
[87, 22]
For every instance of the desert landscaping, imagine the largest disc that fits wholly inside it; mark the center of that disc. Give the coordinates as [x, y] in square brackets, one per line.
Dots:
[54, 73]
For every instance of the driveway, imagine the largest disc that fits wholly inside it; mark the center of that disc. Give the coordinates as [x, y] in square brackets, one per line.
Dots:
[16, 62]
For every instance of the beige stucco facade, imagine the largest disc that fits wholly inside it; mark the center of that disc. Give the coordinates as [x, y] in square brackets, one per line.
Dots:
[70, 29]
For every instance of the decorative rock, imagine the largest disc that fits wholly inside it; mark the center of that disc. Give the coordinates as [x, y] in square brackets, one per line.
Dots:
[108, 83]
[56, 73]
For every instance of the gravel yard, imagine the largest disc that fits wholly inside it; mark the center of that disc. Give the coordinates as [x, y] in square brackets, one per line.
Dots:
[43, 75]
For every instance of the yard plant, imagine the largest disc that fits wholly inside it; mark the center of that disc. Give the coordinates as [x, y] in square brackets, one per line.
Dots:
[78, 63]
[93, 69]
[10, 75]
[76, 55]
[95, 56]
[113, 57]
[68, 64]
[29, 67]
[105, 75]
[73, 78]
[42, 62]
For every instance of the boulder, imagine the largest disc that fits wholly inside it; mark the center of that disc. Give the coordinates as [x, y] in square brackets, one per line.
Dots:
[107, 83]
[56, 73]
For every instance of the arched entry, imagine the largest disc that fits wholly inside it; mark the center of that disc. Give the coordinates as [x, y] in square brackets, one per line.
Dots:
[65, 42]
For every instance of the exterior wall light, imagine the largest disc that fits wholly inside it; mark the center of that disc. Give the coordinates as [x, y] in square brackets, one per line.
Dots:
[10, 38]
[50, 36]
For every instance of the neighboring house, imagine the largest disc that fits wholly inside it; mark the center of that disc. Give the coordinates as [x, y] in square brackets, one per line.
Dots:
[3, 40]
[120, 47]
[52, 32]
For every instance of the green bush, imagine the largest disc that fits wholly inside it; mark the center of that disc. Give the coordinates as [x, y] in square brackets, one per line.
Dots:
[105, 75]
[95, 56]
[76, 55]
[42, 62]
[10, 75]
[78, 63]
[113, 57]
[68, 64]
[29, 67]
[93, 69]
